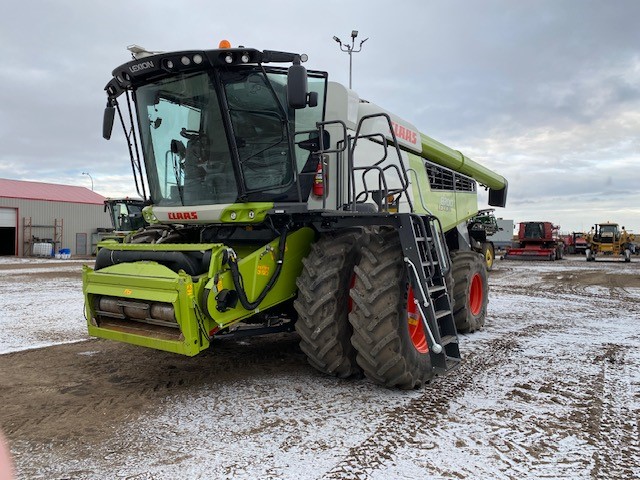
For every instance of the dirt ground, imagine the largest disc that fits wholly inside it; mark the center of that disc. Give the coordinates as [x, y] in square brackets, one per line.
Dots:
[550, 388]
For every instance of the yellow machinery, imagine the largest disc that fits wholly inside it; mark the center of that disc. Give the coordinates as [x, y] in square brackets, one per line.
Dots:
[609, 239]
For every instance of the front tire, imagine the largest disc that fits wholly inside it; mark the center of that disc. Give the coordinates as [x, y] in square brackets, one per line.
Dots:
[387, 329]
[489, 255]
[323, 303]
[470, 290]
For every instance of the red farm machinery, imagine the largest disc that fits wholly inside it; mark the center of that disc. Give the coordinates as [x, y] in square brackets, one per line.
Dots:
[575, 243]
[536, 241]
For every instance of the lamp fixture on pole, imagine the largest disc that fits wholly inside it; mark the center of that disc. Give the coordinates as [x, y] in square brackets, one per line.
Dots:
[350, 49]
[87, 174]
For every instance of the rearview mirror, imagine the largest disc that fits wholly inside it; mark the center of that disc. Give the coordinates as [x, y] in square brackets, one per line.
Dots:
[107, 121]
[297, 86]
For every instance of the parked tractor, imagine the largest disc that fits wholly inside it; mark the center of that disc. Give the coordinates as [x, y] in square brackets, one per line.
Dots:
[607, 239]
[278, 201]
[126, 216]
[481, 226]
[536, 241]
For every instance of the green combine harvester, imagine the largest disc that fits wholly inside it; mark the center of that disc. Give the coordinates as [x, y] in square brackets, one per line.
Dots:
[278, 200]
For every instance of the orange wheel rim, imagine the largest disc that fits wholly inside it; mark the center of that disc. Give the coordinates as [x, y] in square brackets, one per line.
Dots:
[476, 294]
[414, 324]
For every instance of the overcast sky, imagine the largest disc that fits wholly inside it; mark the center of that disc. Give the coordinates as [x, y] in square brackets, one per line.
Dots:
[547, 93]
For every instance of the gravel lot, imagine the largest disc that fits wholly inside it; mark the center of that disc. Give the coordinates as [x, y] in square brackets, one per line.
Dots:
[549, 389]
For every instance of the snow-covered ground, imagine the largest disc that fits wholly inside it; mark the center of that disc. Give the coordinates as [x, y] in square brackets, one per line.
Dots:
[40, 305]
[549, 389]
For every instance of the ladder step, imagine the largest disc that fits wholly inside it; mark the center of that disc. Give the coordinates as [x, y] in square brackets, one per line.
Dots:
[446, 340]
[436, 288]
[451, 363]
[442, 313]
[420, 238]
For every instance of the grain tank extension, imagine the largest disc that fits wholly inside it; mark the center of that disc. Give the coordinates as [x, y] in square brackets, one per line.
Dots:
[278, 200]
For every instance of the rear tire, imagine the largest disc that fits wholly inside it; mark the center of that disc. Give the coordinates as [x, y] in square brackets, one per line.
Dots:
[470, 290]
[387, 330]
[323, 303]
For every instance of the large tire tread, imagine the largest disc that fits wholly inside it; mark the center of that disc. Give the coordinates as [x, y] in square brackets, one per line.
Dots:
[463, 266]
[379, 318]
[323, 303]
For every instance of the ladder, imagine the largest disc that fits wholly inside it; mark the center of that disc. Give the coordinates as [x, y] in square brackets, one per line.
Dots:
[428, 263]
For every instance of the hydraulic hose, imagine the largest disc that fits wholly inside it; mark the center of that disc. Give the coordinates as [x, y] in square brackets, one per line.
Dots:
[238, 282]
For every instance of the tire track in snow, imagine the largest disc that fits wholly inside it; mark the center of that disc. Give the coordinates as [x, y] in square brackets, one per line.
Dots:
[613, 422]
[403, 423]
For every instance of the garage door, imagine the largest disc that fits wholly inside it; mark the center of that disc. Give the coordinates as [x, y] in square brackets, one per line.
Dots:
[8, 217]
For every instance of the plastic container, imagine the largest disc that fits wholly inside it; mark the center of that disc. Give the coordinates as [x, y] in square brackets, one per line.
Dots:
[42, 249]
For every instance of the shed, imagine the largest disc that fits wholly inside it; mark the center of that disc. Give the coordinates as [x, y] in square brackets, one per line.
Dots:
[41, 219]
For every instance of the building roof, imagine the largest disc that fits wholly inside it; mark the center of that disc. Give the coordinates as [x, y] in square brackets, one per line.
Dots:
[48, 191]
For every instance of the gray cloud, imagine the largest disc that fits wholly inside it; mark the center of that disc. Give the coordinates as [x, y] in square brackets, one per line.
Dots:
[545, 92]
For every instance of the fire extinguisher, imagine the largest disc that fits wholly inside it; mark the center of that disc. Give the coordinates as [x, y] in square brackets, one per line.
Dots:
[318, 180]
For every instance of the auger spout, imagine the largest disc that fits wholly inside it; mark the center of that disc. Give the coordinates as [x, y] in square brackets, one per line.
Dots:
[455, 160]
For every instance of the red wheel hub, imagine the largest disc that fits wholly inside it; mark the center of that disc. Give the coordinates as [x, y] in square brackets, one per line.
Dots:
[414, 324]
[476, 294]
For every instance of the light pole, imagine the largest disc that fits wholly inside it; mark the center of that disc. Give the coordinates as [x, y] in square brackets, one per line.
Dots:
[87, 174]
[350, 49]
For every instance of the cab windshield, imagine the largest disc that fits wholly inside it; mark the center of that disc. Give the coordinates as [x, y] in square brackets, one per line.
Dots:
[212, 138]
[609, 231]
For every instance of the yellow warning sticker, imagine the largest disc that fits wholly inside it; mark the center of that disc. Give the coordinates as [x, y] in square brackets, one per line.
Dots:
[127, 291]
[263, 270]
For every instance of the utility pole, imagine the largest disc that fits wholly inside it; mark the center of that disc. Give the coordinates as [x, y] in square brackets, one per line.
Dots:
[345, 47]
[87, 174]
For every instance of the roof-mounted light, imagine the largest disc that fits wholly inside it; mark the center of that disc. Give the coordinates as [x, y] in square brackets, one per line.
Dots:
[138, 52]
[185, 60]
[197, 59]
[228, 57]
[245, 57]
[224, 44]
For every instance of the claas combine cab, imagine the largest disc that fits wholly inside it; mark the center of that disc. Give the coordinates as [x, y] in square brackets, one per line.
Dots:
[608, 240]
[126, 216]
[278, 200]
[536, 241]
